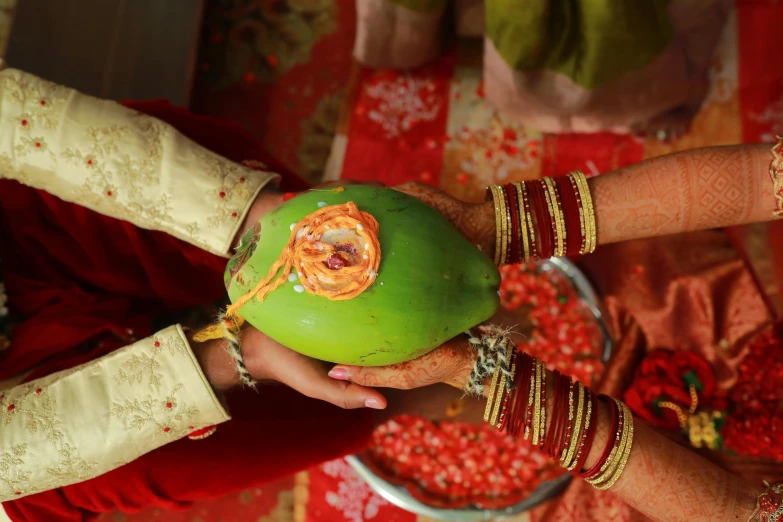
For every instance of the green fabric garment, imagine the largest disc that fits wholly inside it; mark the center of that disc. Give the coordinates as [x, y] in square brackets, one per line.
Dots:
[589, 41]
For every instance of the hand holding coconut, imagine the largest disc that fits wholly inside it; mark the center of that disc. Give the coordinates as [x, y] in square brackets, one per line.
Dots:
[268, 360]
[360, 275]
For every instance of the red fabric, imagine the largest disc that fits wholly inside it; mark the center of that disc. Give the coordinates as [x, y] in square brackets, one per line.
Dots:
[271, 436]
[73, 275]
[410, 108]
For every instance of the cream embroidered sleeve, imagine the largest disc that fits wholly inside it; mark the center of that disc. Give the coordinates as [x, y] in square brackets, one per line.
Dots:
[128, 403]
[121, 163]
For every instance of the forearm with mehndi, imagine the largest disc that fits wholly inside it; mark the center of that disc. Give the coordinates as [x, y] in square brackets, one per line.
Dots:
[691, 190]
[658, 469]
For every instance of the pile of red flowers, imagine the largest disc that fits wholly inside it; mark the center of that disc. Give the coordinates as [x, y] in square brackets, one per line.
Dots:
[752, 420]
[454, 464]
[754, 426]
[564, 333]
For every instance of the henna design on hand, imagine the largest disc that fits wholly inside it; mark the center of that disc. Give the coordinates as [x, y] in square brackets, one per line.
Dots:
[474, 221]
[450, 363]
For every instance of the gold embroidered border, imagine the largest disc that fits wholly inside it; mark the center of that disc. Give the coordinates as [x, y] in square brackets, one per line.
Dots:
[776, 173]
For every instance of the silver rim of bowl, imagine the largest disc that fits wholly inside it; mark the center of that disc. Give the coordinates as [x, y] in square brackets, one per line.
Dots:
[401, 498]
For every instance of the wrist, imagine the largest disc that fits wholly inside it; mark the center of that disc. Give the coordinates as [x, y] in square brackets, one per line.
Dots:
[216, 364]
[254, 359]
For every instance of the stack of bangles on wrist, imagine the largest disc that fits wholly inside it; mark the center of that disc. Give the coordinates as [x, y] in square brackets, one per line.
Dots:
[543, 218]
[517, 403]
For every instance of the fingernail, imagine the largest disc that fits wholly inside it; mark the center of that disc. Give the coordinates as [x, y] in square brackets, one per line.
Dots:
[374, 404]
[339, 374]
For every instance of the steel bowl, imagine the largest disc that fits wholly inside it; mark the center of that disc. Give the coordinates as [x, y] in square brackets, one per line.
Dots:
[400, 497]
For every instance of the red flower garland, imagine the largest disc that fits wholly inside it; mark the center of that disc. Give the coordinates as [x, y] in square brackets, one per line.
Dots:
[753, 425]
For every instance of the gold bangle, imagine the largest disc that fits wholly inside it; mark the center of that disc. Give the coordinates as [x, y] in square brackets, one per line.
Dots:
[504, 239]
[542, 430]
[503, 225]
[513, 373]
[588, 414]
[530, 398]
[552, 221]
[498, 216]
[522, 222]
[567, 440]
[579, 180]
[509, 226]
[608, 467]
[569, 452]
[502, 391]
[574, 187]
[587, 204]
[529, 221]
[560, 233]
[537, 404]
[626, 451]
[567, 436]
[499, 396]
[491, 395]
[558, 203]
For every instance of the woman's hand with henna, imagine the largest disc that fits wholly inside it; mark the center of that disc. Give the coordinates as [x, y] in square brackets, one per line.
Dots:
[475, 221]
[450, 363]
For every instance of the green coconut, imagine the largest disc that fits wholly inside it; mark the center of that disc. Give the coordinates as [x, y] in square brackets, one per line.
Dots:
[432, 283]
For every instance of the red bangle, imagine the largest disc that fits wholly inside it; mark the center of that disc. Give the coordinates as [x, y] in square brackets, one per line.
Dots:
[513, 405]
[523, 390]
[529, 224]
[562, 406]
[529, 410]
[565, 443]
[502, 417]
[615, 424]
[553, 425]
[543, 223]
[557, 203]
[565, 386]
[574, 238]
[542, 431]
[513, 206]
[550, 212]
[588, 435]
[580, 208]
[511, 411]
[508, 400]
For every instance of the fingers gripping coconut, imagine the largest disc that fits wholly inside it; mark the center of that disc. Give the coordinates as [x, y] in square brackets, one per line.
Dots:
[359, 275]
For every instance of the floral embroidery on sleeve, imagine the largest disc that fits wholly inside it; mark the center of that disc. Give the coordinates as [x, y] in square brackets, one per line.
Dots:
[121, 163]
[32, 407]
[167, 414]
[139, 397]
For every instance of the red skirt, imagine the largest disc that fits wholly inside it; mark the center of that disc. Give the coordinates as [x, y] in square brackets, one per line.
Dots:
[83, 284]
